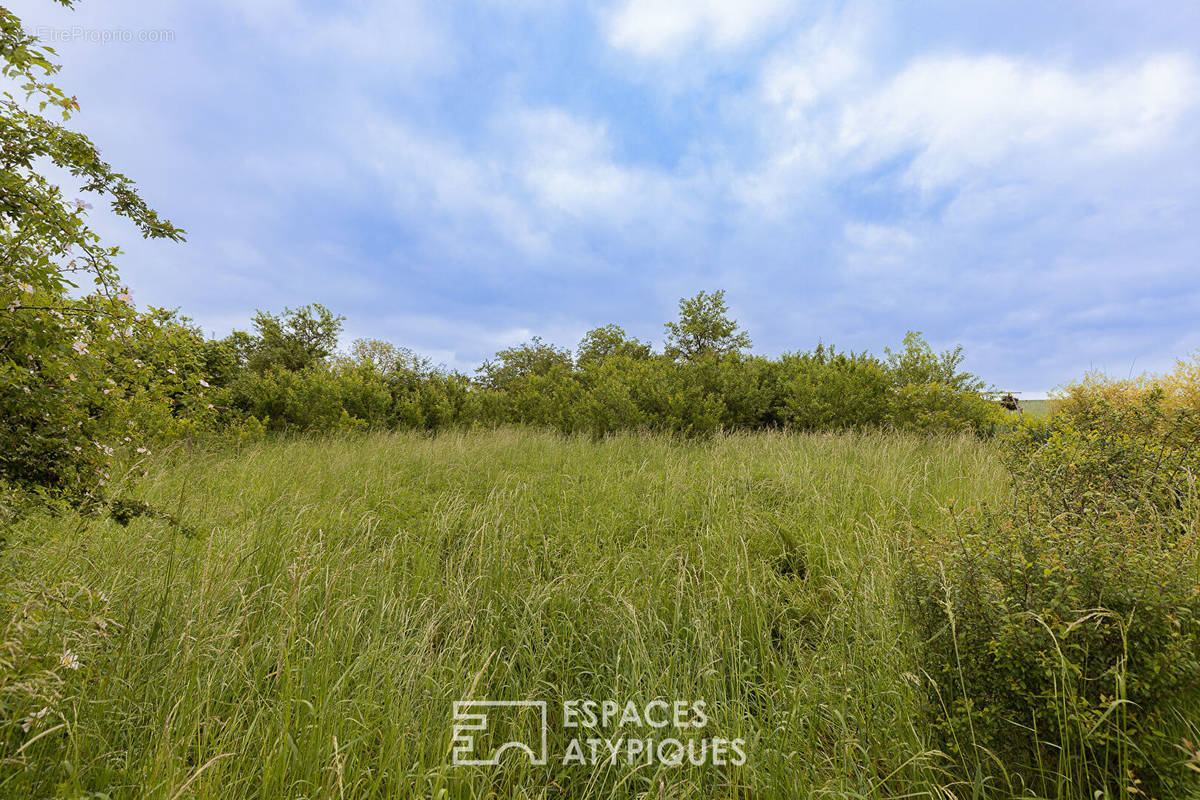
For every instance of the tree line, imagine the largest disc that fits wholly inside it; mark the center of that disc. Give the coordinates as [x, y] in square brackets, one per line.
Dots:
[84, 381]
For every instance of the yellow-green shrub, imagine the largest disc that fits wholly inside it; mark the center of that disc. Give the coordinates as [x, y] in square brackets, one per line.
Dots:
[1180, 389]
[1060, 637]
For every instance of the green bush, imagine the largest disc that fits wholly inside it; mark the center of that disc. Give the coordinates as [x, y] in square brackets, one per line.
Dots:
[311, 400]
[1101, 457]
[95, 377]
[826, 389]
[609, 403]
[1059, 639]
[934, 407]
[90, 381]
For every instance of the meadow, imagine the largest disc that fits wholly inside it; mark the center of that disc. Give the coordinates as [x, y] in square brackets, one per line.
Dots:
[830, 573]
[308, 630]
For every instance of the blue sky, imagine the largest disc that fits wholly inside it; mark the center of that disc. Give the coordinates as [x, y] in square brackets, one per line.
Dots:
[1018, 178]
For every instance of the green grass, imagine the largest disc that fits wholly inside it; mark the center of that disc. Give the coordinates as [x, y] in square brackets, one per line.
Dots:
[341, 594]
[1036, 408]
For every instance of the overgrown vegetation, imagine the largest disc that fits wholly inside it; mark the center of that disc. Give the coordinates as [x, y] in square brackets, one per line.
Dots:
[343, 592]
[104, 380]
[877, 610]
[66, 364]
[1060, 633]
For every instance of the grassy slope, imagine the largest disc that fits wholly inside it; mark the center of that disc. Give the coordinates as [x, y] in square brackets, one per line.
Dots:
[346, 592]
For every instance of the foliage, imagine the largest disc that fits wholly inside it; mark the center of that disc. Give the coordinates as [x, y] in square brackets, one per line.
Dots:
[826, 389]
[934, 407]
[513, 365]
[294, 340]
[58, 396]
[1179, 388]
[607, 341]
[919, 365]
[85, 382]
[1061, 637]
[39, 228]
[282, 377]
[703, 327]
[312, 399]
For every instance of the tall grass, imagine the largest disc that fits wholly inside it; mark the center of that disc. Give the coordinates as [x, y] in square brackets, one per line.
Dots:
[341, 594]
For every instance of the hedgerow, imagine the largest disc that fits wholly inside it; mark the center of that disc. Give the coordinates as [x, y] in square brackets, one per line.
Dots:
[91, 384]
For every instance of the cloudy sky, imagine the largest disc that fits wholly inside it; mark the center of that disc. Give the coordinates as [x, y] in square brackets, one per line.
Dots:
[1019, 178]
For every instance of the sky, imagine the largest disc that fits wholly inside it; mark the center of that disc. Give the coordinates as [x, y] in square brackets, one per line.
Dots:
[456, 177]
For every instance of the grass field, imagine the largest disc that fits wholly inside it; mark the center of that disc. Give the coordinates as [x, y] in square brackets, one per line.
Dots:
[1036, 408]
[339, 595]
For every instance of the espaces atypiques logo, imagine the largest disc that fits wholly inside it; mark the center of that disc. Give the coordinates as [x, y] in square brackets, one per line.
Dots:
[603, 732]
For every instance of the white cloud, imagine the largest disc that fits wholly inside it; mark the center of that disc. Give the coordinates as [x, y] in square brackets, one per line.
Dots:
[569, 166]
[963, 114]
[959, 121]
[459, 187]
[823, 59]
[665, 28]
[544, 174]
[872, 250]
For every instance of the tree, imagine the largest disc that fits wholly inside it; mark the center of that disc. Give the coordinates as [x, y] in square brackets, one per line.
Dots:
[44, 238]
[295, 339]
[387, 358]
[703, 327]
[610, 340]
[57, 397]
[918, 365]
[535, 357]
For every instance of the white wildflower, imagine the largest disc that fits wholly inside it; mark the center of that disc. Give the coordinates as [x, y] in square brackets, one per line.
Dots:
[30, 722]
[69, 660]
